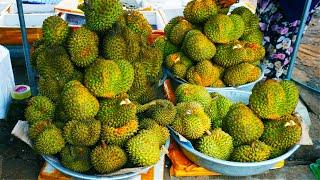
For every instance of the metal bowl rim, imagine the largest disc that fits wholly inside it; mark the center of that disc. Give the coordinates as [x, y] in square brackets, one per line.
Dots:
[244, 86]
[232, 163]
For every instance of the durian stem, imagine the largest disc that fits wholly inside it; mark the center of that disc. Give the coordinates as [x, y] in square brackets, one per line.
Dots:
[104, 145]
[143, 108]
[208, 132]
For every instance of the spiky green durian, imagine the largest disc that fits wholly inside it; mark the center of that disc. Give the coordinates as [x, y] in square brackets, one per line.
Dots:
[37, 128]
[148, 123]
[138, 23]
[238, 52]
[238, 27]
[292, 95]
[100, 15]
[133, 44]
[76, 158]
[77, 102]
[255, 36]
[282, 134]
[179, 31]
[54, 62]
[83, 47]
[161, 111]
[165, 46]
[119, 135]
[268, 99]
[50, 141]
[251, 21]
[151, 59]
[199, 11]
[242, 124]
[50, 88]
[55, 30]
[198, 47]
[217, 145]
[219, 29]
[142, 91]
[191, 121]
[126, 78]
[143, 149]
[179, 63]
[171, 24]
[218, 109]
[218, 84]
[256, 50]
[108, 158]
[180, 70]
[37, 46]
[82, 133]
[203, 74]
[39, 108]
[190, 92]
[116, 112]
[102, 77]
[241, 74]
[108, 78]
[114, 46]
[255, 152]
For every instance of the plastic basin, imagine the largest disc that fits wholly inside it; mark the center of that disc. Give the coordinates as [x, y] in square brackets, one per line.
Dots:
[245, 87]
[229, 168]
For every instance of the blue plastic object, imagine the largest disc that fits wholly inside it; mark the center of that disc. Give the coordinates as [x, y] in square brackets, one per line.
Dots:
[303, 22]
[229, 168]
[54, 162]
[245, 87]
[26, 50]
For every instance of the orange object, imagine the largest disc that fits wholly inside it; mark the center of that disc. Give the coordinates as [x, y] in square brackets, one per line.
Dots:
[149, 175]
[12, 36]
[155, 34]
[168, 91]
[182, 166]
[49, 172]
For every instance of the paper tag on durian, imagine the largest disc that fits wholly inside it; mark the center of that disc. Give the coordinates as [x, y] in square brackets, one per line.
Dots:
[250, 4]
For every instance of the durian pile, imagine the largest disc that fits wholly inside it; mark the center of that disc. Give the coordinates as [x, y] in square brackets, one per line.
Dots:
[97, 110]
[264, 129]
[209, 48]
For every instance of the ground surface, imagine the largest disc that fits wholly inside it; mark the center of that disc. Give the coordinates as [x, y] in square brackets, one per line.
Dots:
[18, 161]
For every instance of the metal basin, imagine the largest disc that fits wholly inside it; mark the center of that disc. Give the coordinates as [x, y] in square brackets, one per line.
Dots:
[54, 162]
[228, 168]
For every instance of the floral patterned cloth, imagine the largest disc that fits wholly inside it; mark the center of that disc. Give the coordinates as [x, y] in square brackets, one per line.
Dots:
[279, 37]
